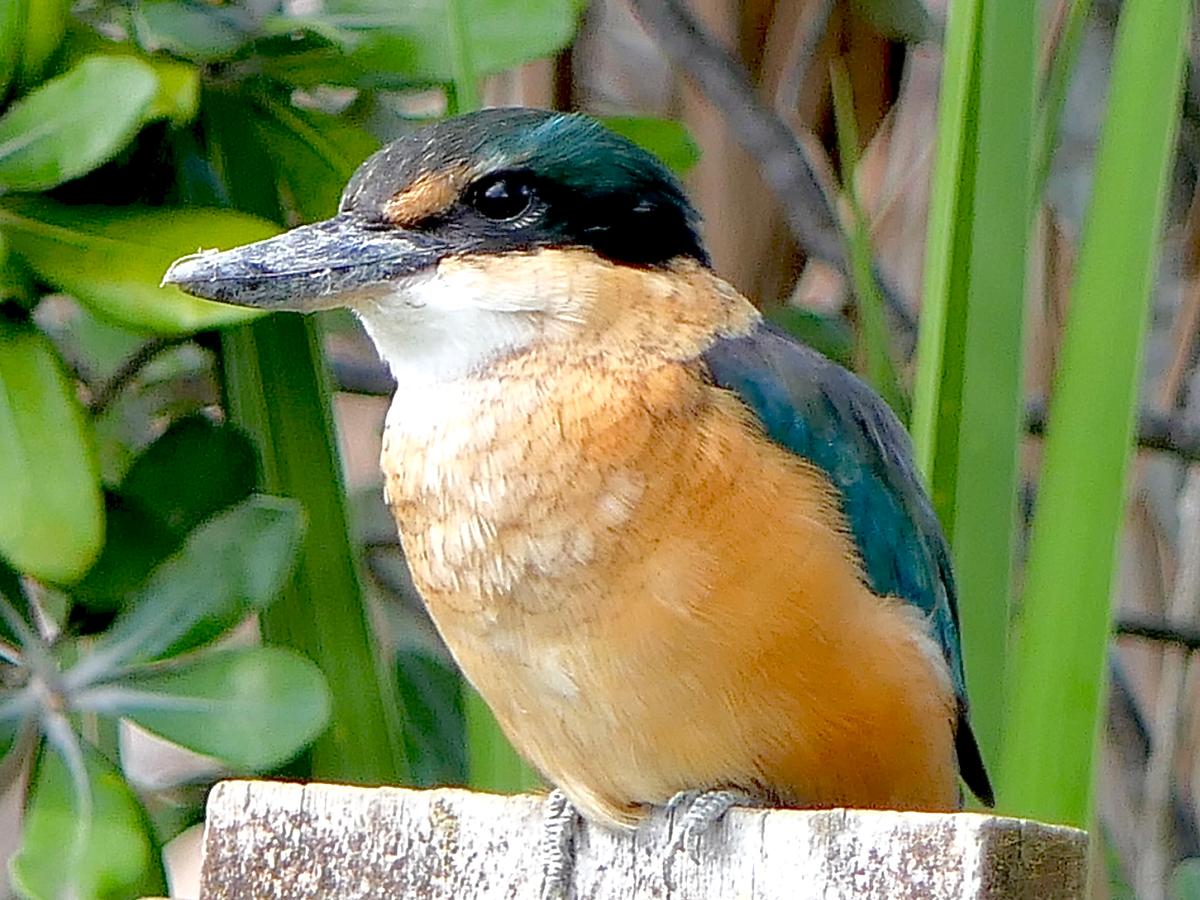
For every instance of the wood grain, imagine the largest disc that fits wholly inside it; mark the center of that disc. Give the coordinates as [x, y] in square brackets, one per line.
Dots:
[279, 840]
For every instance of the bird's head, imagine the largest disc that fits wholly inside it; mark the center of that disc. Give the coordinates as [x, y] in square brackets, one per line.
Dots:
[467, 238]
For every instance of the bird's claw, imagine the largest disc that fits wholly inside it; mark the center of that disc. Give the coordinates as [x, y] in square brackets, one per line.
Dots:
[701, 811]
[559, 824]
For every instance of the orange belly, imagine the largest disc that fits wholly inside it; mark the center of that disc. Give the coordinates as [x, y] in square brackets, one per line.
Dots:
[654, 598]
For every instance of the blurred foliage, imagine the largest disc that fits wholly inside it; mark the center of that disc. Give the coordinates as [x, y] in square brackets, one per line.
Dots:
[1056, 686]
[160, 455]
[969, 393]
[134, 536]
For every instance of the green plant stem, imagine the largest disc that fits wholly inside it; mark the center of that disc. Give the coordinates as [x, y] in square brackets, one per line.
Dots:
[276, 389]
[492, 763]
[969, 403]
[874, 335]
[1054, 713]
[466, 81]
[947, 245]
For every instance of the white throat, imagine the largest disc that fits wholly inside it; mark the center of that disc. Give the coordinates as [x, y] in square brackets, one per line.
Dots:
[440, 326]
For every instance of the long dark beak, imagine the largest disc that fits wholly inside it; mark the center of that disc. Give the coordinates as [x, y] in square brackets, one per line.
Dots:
[312, 267]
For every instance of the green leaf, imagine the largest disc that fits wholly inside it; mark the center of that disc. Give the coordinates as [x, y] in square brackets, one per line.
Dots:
[252, 708]
[12, 35]
[178, 94]
[277, 390]
[154, 509]
[1055, 705]
[232, 565]
[221, 467]
[119, 858]
[493, 763]
[52, 525]
[16, 281]
[874, 337]
[670, 141]
[45, 24]
[314, 155]
[412, 42]
[907, 20]
[75, 122]
[113, 258]
[968, 403]
[197, 31]
[135, 542]
[829, 335]
[434, 723]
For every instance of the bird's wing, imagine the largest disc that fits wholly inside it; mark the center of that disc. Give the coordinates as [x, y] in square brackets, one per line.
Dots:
[823, 413]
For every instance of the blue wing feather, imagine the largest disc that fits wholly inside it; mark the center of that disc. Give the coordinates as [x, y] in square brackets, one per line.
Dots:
[821, 412]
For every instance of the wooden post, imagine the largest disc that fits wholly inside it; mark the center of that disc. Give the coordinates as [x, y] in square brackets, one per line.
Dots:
[274, 840]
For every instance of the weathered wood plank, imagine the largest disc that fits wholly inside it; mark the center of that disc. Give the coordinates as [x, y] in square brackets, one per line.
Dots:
[287, 841]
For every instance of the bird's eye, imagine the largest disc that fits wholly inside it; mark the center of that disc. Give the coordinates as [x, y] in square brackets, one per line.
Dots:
[502, 197]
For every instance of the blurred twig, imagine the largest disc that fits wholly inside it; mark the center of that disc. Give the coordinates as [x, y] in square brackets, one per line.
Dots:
[1155, 431]
[1153, 857]
[807, 32]
[1156, 629]
[129, 370]
[786, 168]
[1128, 748]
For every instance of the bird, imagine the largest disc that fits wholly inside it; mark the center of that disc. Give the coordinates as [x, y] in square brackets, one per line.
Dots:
[684, 558]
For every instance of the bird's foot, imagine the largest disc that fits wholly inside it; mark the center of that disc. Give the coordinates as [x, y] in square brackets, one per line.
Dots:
[560, 822]
[701, 811]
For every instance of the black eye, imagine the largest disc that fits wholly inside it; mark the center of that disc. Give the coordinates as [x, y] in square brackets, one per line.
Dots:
[502, 197]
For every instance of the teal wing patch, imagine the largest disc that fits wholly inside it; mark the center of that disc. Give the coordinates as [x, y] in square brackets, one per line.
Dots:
[819, 411]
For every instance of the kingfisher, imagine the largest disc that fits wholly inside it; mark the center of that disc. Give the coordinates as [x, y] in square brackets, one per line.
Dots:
[686, 560]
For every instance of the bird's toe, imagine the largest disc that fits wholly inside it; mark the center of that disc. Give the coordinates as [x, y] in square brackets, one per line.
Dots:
[560, 822]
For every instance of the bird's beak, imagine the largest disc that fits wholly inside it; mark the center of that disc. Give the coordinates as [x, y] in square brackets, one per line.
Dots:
[308, 268]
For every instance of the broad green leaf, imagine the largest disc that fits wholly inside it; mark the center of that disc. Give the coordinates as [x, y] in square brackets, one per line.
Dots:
[200, 31]
[113, 258]
[390, 43]
[253, 708]
[314, 155]
[151, 514]
[232, 565]
[178, 95]
[120, 858]
[16, 282]
[221, 469]
[45, 23]
[51, 524]
[310, 155]
[670, 141]
[75, 122]
[434, 723]
[12, 39]
[135, 542]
